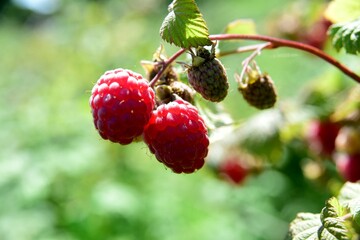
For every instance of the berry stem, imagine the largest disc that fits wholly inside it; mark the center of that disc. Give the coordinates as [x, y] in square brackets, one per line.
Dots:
[278, 42]
[249, 59]
[166, 64]
[239, 50]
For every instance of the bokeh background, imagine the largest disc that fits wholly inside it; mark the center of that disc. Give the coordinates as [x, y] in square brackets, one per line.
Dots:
[59, 180]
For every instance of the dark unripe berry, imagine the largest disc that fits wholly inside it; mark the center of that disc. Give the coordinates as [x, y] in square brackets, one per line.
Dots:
[259, 92]
[208, 76]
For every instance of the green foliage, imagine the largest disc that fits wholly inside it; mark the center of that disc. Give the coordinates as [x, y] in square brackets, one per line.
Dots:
[330, 223]
[350, 197]
[304, 226]
[333, 227]
[346, 35]
[184, 26]
[241, 26]
[324, 226]
[59, 180]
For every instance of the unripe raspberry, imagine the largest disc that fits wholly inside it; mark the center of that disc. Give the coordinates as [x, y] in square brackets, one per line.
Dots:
[259, 92]
[168, 93]
[121, 102]
[177, 135]
[208, 76]
[182, 90]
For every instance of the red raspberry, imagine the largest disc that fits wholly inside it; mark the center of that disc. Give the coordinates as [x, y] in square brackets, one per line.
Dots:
[348, 166]
[233, 170]
[177, 135]
[121, 102]
[321, 135]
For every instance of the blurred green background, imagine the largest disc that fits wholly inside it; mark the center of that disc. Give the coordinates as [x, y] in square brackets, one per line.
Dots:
[60, 180]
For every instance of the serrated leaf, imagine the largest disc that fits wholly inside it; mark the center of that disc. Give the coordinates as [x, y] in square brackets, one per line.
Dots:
[304, 227]
[332, 226]
[332, 209]
[347, 36]
[350, 197]
[184, 26]
[343, 10]
[325, 226]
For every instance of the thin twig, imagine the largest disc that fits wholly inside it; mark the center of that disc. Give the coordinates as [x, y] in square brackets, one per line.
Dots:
[240, 50]
[277, 42]
[165, 65]
[249, 59]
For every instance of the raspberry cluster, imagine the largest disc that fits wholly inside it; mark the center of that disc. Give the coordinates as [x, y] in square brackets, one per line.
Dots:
[125, 108]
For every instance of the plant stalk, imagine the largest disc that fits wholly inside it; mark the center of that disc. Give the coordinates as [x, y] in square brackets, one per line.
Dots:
[278, 42]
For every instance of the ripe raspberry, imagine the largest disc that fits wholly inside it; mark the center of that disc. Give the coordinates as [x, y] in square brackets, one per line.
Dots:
[177, 135]
[208, 76]
[321, 135]
[259, 92]
[233, 170]
[348, 166]
[121, 102]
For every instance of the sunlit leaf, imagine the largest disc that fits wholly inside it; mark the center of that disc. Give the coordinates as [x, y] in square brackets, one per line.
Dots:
[347, 36]
[184, 26]
[350, 197]
[343, 10]
[325, 226]
[304, 227]
[241, 26]
[332, 226]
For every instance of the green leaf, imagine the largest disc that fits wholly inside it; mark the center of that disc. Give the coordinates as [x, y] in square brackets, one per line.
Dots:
[325, 226]
[241, 26]
[304, 226]
[184, 26]
[350, 197]
[343, 10]
[333, 227]
[347, 36]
